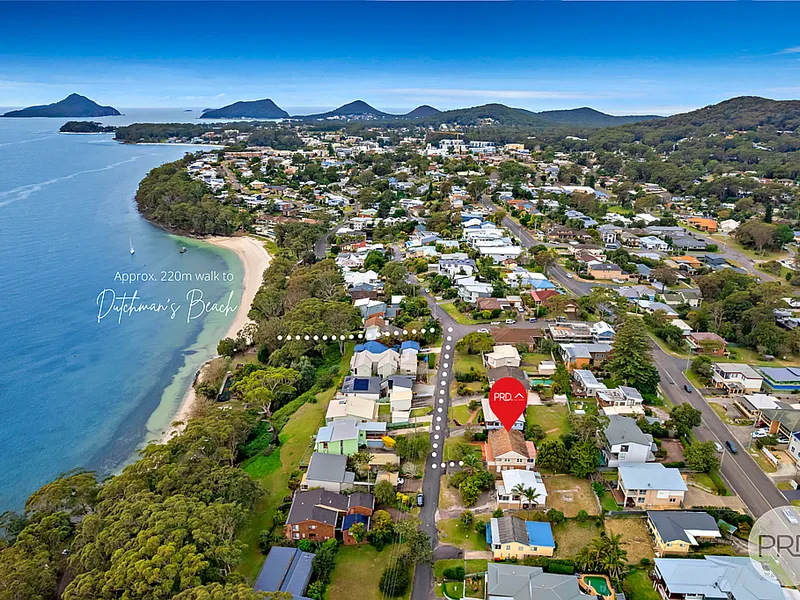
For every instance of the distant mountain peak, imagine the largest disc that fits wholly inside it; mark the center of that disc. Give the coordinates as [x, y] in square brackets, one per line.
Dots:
[248, 109]
[73, 105]
[422, 111]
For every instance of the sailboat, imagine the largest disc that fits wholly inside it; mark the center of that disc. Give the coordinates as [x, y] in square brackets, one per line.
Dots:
[131, 244]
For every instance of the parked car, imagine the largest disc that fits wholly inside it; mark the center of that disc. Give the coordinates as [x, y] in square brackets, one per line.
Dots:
[484, 330]
[420, 499]
[532, 320]
[718, 446]
[688, 388]
[759, 434]
[732, 447]
[783, 440]
[570, 275]
[510, 321]
[790, 516]
[494, 323]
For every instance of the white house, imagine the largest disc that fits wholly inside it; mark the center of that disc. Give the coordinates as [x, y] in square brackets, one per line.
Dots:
[508, 500]
[625, 443]
[491, 421]
[503, 356]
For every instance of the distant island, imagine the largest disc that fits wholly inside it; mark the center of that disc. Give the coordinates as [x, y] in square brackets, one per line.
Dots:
[73, 105]
[256, 109]
[86, 127]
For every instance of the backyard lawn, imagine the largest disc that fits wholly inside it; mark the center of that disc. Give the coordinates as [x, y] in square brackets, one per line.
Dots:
[634, 531]
[572, 536]
[273, 471]
[570, 495]
[451, 532]
[608, 503]
[460, 317]
[460, 413]
[553, 419]
[464, 362]
[532, 359]
[470, 566]
[358, 571]
[637, 586]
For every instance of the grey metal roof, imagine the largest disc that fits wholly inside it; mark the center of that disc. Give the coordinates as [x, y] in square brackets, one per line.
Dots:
[651, 476]
[285, 570]
[317, 505]
[327, 467]
[672, 525]
[509, 529]
[624, 430]
[723, 577]
[529, 583]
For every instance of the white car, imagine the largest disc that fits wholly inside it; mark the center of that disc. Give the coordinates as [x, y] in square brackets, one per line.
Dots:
[510, 321]
[790, 516]
[718, 446]
[759, 434]
[483, 330]
[494, 323]
[570, 275]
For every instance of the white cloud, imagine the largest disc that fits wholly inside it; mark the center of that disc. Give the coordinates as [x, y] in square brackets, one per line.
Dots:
[792, 50]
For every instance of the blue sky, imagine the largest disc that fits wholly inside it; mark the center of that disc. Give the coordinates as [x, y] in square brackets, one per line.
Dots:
[618, 57]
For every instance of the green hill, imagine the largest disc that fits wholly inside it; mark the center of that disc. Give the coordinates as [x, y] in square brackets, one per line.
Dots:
[73, 105]
[255, 109]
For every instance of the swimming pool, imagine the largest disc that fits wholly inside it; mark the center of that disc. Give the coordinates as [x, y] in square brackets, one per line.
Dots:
[599, 584]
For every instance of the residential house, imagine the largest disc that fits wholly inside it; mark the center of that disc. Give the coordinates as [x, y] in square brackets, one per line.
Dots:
[470, 289]
[781, 379]
[512, 537]
[703, 224]
[706, 342]
[408, 358]
[728, 225]
[570, 332]
[580, 356]
[285, 570]
[688, 243]
[502, 356]
[529, 336]
[508, 499]
[363, 387]
[490, 420]
[370, 308]
[714, 578]
[399, 389]
[494, 375]
[373, 358]
[736, 378]
[351, 407]
[679, 531]
[516, 582]
[653, 243]
[329, 472]
[602, 332]
[585, 384]
[648, 307]
[620, 401]
[318, 514]
[509, 450]
[605, 270]
[624, 443]
[645, 485]
[540, 296]
[346, 436]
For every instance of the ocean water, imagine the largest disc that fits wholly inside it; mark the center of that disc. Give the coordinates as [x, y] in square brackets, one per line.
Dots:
[82, 385]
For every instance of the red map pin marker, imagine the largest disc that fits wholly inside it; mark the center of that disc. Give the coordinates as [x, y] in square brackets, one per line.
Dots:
[508, 399]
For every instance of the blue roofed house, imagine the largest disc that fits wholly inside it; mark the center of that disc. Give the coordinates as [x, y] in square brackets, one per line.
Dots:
[373, 358]
[285, 570]
[512, 537]
[408, 358]
[780, 379]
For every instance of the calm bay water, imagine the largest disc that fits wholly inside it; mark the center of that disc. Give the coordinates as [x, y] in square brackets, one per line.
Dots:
[75, 392]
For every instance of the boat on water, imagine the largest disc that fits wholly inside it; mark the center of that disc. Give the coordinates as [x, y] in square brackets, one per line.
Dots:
[131, 245]
[183, 249]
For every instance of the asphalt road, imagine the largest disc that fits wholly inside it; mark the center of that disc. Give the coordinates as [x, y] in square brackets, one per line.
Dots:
[321, 245]
[740, 471]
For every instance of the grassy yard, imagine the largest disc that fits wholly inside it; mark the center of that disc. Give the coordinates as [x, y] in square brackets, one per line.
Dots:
[702, 480]
[607, 502]
[460, 317]
[273, 471]
[358, 571]
[570, 495]
[762, 462]
[637, 586]
[532, 359]
[455, 589]
[722, 413]
[451, 532]
[472, 566]
[572, 536]
[464, 362]
[460, 413]
[634, 531]
[552, 418]
[448, 496]
[421, 412]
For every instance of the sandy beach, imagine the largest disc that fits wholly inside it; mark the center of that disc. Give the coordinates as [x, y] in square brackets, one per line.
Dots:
[255, 260]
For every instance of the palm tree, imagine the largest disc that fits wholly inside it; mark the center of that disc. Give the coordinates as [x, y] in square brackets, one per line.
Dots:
[531, 495]
[584, 559]
[518, 490]
[614, 558]
[472, 462]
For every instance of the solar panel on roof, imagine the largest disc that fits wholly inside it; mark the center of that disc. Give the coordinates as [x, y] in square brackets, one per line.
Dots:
[361, 385]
